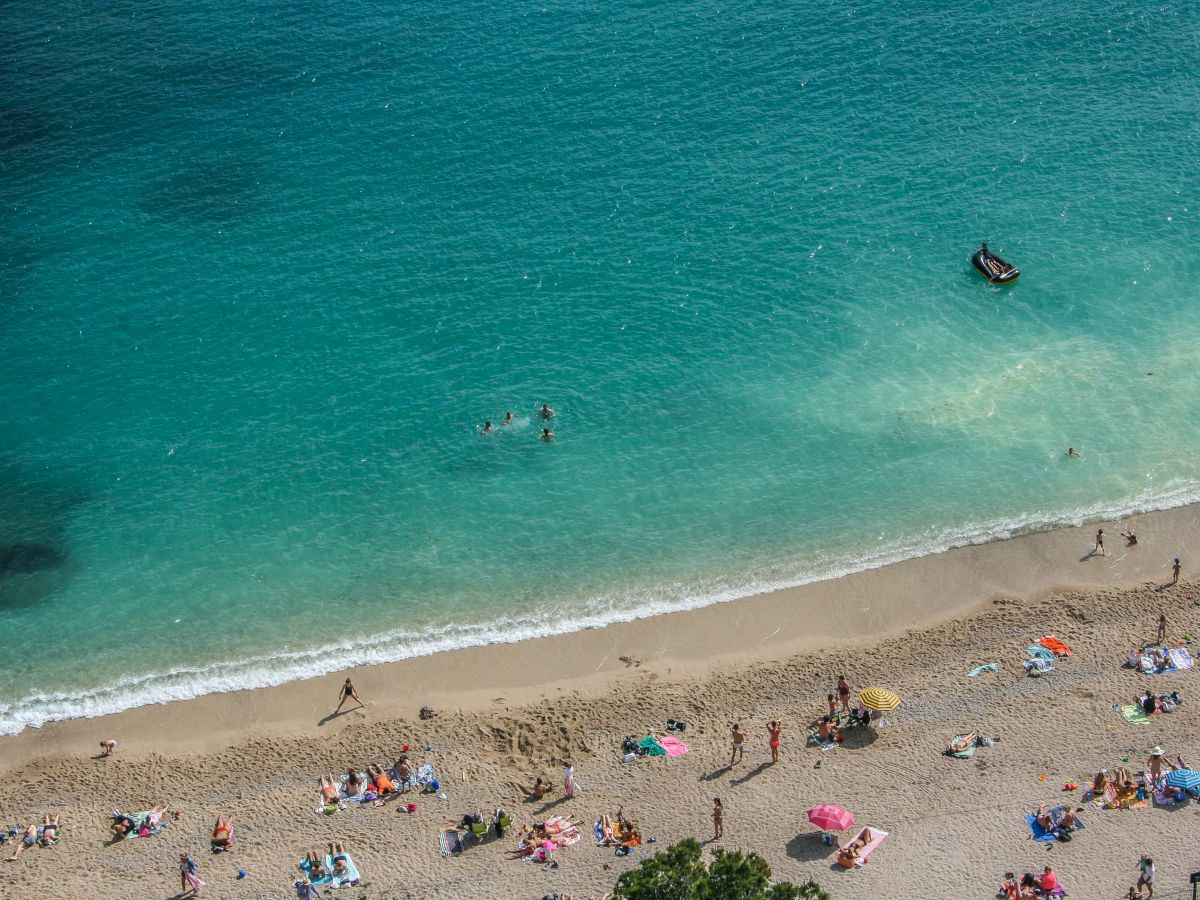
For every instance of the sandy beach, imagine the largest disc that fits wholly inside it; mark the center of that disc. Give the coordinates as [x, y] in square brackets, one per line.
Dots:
[507, 713]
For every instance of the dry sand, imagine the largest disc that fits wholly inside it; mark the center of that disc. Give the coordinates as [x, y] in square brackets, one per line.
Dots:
[509, 712]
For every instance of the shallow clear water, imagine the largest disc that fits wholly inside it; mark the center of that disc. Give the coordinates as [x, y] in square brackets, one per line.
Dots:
[266, 270]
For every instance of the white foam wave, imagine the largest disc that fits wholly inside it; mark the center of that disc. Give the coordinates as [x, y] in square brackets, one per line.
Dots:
[37, 709]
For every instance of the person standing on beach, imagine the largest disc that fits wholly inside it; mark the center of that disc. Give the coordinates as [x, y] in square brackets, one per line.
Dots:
[191, 883]
[569, 785]
[348, 693]
[1175, 567]
[1146, 878]
[1161, 639]
[843, 692]
[739, 738]
[774, 729]
[718, 815]
[1099, 548]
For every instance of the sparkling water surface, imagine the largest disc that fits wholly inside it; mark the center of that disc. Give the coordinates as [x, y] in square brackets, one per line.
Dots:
[266, 270]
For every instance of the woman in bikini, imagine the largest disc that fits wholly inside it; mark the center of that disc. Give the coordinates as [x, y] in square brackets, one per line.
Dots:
[843, 692]
[49, 832]
[354, 784]
[316, 865]
[329, 788]
[222, 835]
[718, 816]
[774, 729]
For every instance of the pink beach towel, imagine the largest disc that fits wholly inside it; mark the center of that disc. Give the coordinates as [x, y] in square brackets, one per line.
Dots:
[673, 746]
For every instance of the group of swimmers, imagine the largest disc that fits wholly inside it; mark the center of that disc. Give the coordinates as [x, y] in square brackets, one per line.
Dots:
[545, 413]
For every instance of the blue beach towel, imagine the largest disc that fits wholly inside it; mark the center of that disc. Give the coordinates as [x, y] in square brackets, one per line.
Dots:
[1037, 651]
[351, 876]
[307, 870]
[1041, 835]
[979, 670]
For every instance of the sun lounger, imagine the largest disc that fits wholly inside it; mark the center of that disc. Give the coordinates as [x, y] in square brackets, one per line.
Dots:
[1055, 646]
[876, 838]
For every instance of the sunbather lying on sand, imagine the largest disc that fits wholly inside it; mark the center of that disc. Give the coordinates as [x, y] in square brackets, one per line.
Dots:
[353, 784]
[222, 835]
[403, 771]
[849, 854]
[383, 784]
[49, 832]
[28, 839]
[316, 865]
[341, 862]
[329, 788]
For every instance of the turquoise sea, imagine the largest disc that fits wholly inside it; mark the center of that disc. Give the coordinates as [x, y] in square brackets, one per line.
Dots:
[267, 267]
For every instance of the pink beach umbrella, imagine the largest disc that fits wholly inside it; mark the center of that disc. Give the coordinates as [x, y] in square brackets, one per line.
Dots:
[828, 817]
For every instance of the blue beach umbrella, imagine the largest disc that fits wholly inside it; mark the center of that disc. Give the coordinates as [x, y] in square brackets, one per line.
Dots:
[1187, 779]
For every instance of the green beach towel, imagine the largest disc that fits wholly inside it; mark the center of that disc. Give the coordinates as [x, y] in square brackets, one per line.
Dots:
[653, 747]
[1134, 715]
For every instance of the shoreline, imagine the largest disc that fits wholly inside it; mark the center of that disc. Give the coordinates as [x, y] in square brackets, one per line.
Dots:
[872, 604]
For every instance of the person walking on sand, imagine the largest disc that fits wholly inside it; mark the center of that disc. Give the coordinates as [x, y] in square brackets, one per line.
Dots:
[1161, 638]
[774, 728]
[1146, 877]
[348, 693]
[1099, 548]
[1175, 567]
[190, 882]
[718, 815]
[569, 785]
[843, 692]
[109, 747]
[738, 740]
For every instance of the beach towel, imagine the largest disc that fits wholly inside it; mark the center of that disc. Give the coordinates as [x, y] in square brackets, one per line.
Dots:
[652, 747]
[966, 742]
[1038, 666]
[450, 842]
[1134, 714]
[1055, 646]
[137, 832]
[673, 746]
[1162, 798]
[307, 870]
[351, 876]
[1039, 652]
[815, 738]
[876, 838]
[1107, 800]
[979, 670]
[1041, 835]
[1181, 658]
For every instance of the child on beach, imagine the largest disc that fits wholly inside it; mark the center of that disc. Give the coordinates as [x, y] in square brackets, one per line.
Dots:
[1161, 639]
[843, 692]
[1175, 567]
[832, 706]
[109, 747]
[718, 817]
[774, 728]
[191, 883]
[738, 740]
[1099, 548]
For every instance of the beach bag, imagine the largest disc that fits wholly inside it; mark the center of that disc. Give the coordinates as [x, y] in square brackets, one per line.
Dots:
[629, 745]
[1064, 836]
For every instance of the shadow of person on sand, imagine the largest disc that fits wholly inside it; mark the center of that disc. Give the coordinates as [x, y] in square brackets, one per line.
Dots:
[715, 773]
[762, 767]
[336, 715]
[550, 804]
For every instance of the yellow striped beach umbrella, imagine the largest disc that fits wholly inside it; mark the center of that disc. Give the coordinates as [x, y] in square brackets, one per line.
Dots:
[879, 699]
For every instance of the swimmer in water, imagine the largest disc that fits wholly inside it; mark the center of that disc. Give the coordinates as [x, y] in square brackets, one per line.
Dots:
[1071, 451]
[547, 435]
[508, 420]
[486, 428]
[546, 412]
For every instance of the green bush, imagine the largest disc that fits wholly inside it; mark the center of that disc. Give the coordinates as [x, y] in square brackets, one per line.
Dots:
[679, 873]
